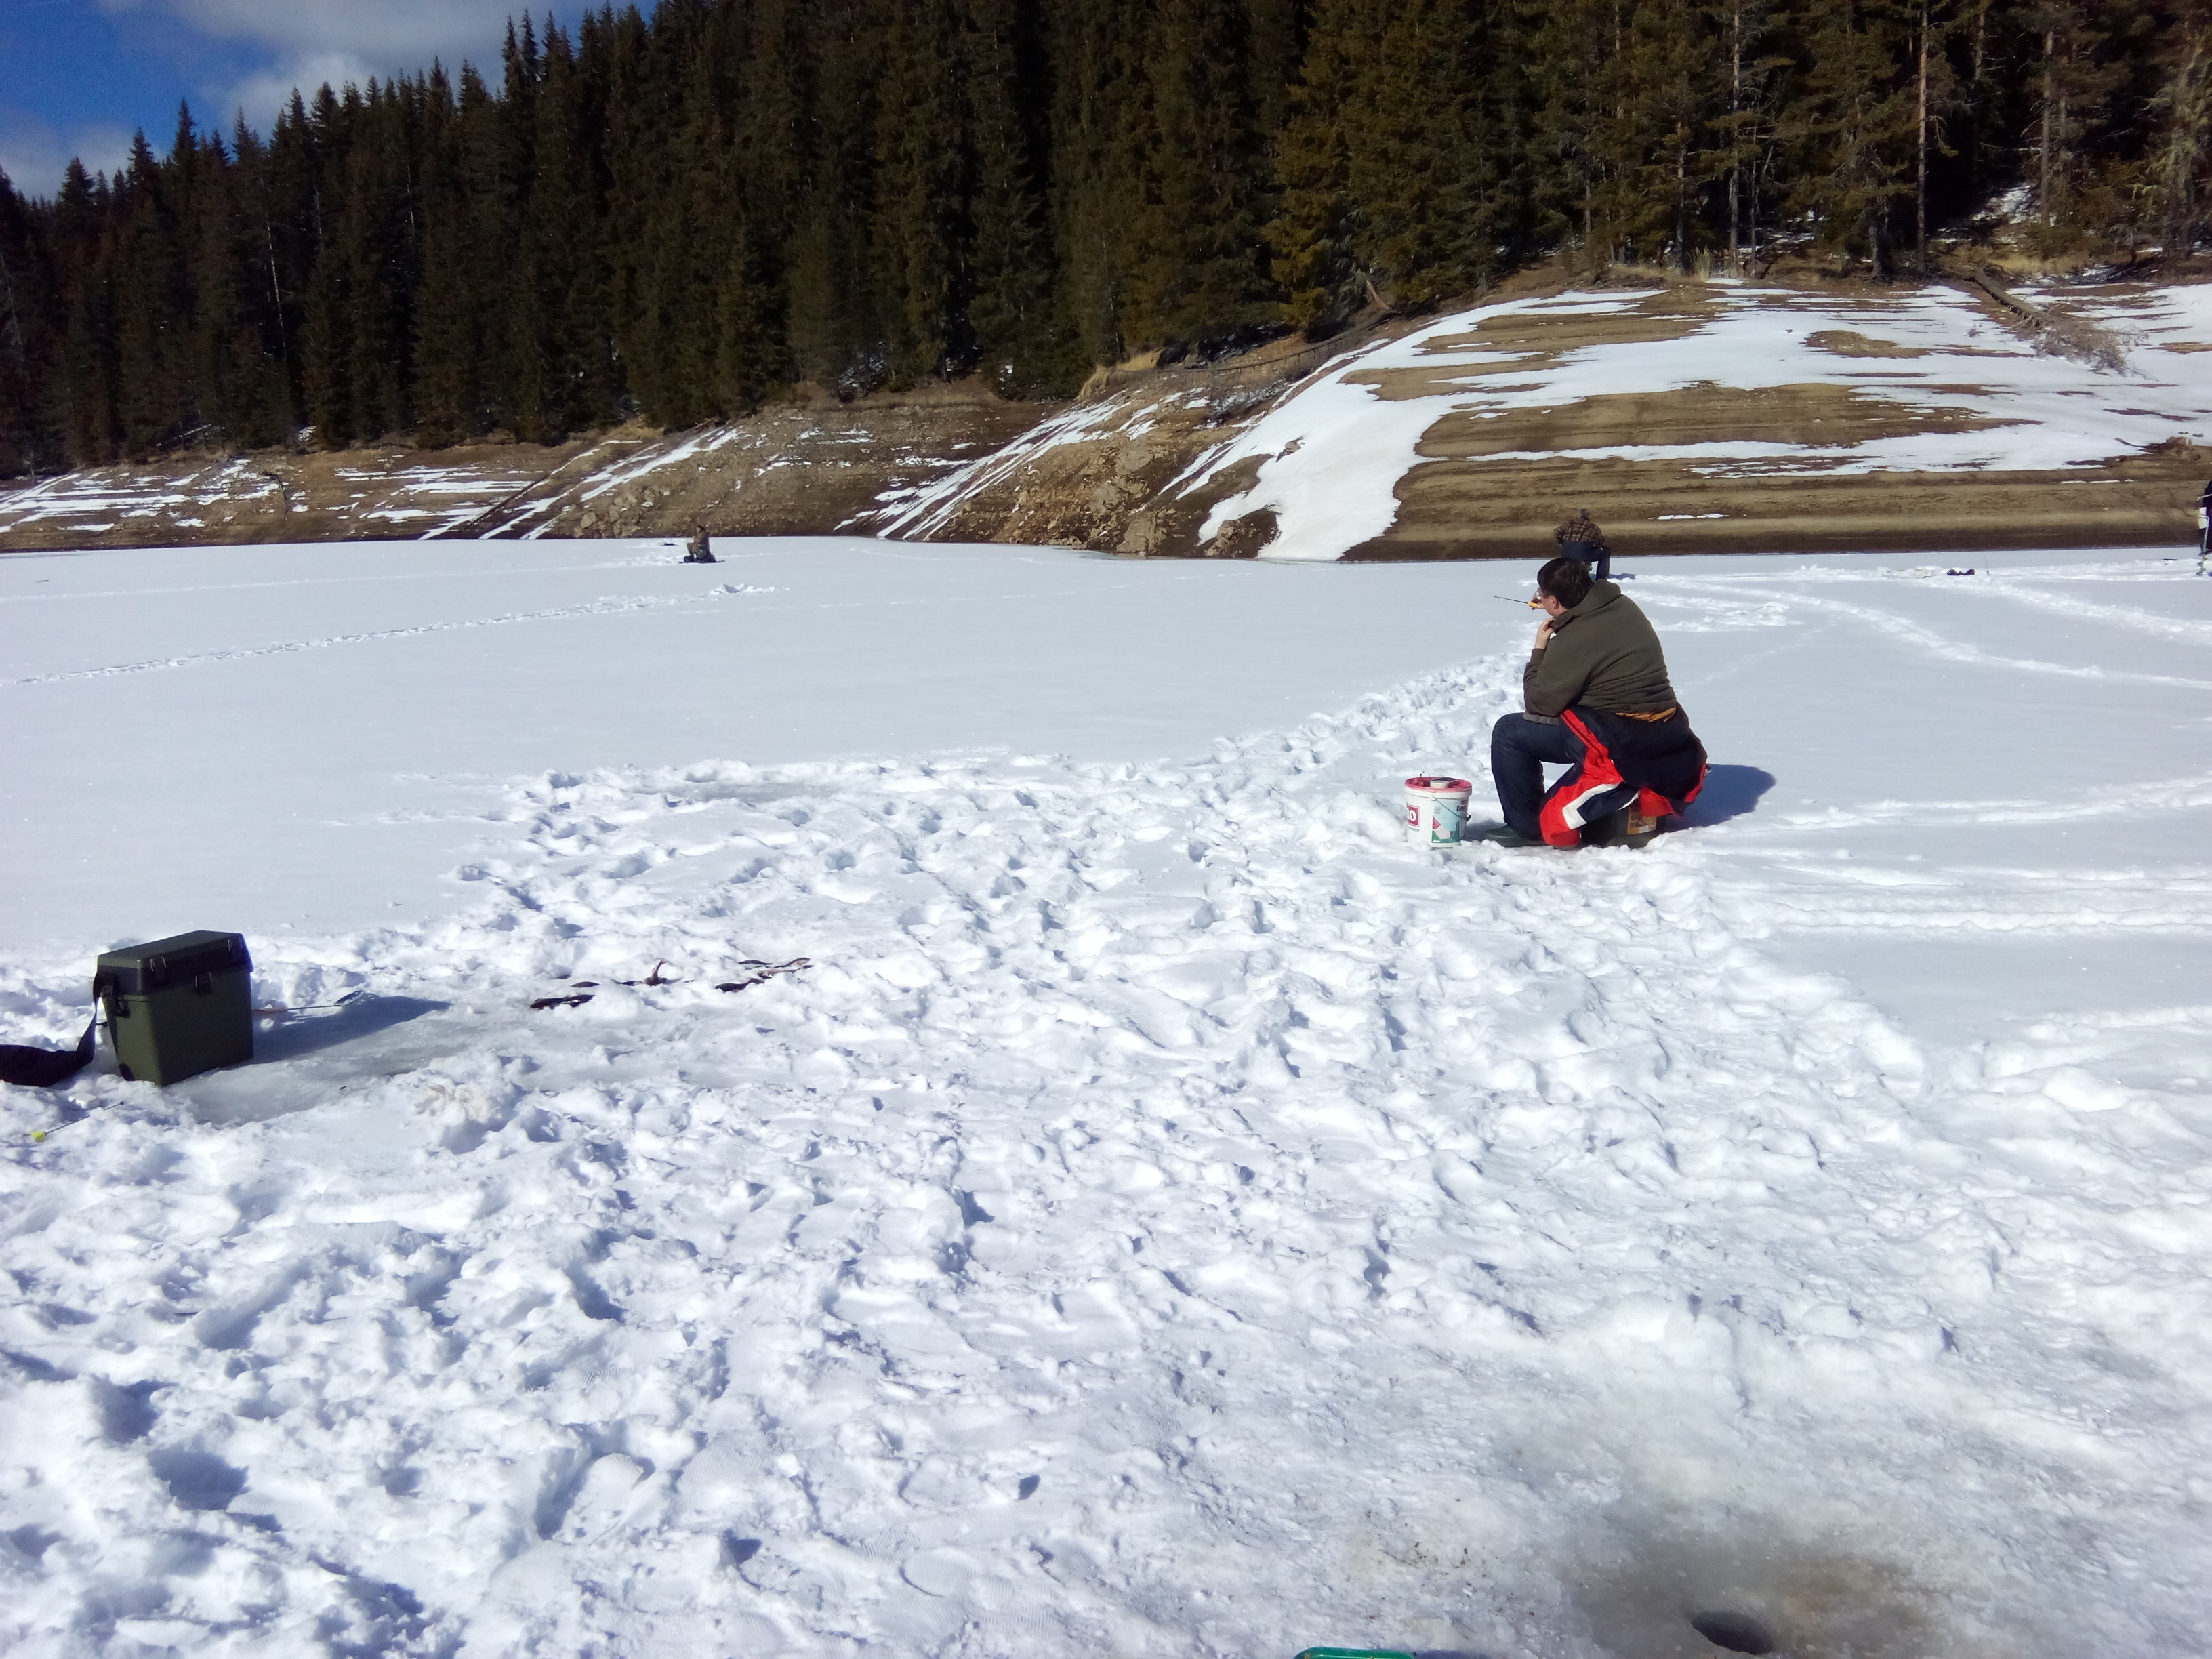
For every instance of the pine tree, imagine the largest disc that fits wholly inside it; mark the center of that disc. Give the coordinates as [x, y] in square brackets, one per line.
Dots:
[337, 266]
[1313, 231]
[836, 298]
[1011, 318]
[917, 183]
[2180, 168]
[1101, 113]
[1853, 130]
[1198, 269]
[92, 425]
[378, 239]
[521, 373]
[30, 440]
[462, 270]
[1424, 174]
[290, 204]
[1397, 159]
[679, 216]
[1746, 97]
[590, 373]
[1571, 50]
[1936, 96]
[1672, 98]
[2067, 83]
[260, 331]
[151, 307]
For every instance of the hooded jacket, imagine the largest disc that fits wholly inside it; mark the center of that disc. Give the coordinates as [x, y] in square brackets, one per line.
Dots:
[1601, 653]
[1601, 666]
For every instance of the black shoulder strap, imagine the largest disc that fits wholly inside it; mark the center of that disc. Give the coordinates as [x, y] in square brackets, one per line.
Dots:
[44, 1068]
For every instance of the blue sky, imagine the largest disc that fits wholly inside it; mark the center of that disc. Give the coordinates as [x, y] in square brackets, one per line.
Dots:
[76, 76]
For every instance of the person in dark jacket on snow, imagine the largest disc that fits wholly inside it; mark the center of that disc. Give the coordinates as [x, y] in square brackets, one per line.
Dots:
[1579, 538]
[1598, 701]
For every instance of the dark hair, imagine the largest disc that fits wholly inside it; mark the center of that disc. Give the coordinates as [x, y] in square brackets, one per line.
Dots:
[1567, 580]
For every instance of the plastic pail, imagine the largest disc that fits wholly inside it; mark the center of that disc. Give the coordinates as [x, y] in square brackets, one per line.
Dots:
[1436, 809]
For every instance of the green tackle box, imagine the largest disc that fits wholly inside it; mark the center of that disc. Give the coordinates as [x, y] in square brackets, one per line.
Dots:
[177, 1006]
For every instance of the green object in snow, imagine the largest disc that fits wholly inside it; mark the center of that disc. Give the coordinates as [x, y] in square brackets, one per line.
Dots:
[1354, 1653]
[177, 1006]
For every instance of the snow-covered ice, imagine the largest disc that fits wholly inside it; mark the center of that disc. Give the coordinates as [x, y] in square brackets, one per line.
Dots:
[1172, 1215]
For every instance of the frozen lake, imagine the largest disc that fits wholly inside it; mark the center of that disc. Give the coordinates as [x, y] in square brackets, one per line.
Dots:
[1171, 1215]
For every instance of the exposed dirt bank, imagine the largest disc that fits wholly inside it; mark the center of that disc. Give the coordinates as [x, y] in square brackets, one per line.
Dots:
[796, 469]
[1688, 416]
[1766, 419]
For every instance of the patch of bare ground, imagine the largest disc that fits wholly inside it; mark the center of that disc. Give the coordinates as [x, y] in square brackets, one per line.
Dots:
[1668, 506]
[792, 469]
[1844, 342]
[1107, 489]
[1818, 415]
[276, 496]
[1490, 487]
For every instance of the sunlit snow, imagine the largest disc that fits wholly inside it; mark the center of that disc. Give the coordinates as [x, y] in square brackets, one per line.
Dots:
[1172, 1214]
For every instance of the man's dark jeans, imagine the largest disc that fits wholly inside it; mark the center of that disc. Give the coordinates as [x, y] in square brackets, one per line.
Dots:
[1519, 747]
[1597, 554]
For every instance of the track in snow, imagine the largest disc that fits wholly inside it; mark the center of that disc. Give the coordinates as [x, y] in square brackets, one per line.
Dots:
[1172, 1215]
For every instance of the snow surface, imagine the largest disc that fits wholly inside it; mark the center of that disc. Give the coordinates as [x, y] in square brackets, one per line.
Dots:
[2162, 317]
[1172, 1215]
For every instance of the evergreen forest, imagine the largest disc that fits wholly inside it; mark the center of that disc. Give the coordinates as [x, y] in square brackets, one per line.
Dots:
[681, 215]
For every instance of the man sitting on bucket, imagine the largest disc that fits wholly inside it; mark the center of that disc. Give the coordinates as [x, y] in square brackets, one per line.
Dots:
[1579, 538]
[1598, 701]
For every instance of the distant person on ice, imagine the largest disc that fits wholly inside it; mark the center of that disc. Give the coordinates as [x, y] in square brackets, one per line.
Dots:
[1579, 538]
[1599, 702]
[2203, 528]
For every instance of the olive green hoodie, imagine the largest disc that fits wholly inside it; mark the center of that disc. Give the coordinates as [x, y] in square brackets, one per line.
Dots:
[1602, 652]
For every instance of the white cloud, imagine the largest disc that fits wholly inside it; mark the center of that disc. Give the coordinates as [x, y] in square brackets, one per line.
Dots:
[310, 42]
[395, 34]
[34, 153]
[269, 47]
[262, 95]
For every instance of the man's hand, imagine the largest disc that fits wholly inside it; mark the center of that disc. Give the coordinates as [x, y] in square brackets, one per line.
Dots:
[1543, 635]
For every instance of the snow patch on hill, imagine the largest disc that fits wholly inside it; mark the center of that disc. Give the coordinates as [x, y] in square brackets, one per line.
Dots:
[1330, 456]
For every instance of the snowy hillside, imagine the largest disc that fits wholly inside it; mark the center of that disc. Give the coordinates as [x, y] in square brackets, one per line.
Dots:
[1712, 415]
[1692, 416]
[1170, 1214]
[792, 469]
